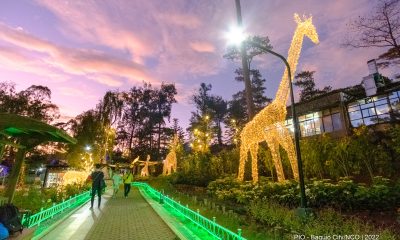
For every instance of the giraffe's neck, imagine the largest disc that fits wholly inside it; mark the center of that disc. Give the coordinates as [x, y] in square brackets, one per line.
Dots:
[293, 56]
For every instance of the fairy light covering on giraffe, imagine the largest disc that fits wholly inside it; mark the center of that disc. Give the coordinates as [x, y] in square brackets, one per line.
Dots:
[268, 124]
[170, 162]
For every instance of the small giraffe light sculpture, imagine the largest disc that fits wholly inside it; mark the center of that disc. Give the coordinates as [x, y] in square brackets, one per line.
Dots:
[170, 162]
[268, 125]
[145, 170]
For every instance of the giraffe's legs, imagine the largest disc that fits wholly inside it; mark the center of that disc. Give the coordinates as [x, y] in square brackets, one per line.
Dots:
[286, 141]
[276, 158]
[243, 159]
[254, 163]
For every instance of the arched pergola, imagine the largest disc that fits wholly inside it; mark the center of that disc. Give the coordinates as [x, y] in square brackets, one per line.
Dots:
[29, 133]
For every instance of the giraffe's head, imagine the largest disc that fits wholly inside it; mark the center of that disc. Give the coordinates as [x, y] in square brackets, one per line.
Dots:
[307, 27]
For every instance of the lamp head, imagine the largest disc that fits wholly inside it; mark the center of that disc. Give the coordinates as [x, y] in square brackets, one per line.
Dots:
[235, 36]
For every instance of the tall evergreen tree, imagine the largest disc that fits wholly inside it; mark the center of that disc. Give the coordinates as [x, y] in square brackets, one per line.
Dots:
[236, 105]
[252, 48]
[305, 80]
[206, 121]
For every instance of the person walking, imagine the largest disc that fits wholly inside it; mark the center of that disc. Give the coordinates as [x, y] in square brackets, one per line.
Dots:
[117, 180]
[97, 184]
[128, 178]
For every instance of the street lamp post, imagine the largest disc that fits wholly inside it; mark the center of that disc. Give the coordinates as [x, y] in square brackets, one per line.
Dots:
[245, 67]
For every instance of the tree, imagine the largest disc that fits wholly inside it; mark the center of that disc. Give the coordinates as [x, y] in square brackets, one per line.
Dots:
[252, 49]
[257, 86]
[88, 130]
[236, 107]
[305, 80]
[206, 121]
[34, 102]
[218, 108]
[142, 128]
[178, 129]
[379, 29]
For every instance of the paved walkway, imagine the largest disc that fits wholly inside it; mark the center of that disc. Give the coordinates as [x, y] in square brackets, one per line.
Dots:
[119, 218]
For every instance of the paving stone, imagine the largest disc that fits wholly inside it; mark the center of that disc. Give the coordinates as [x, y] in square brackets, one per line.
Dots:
[129, 219]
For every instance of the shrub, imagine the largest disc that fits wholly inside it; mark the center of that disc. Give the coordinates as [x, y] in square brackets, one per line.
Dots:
[324, 222]
[344, 195]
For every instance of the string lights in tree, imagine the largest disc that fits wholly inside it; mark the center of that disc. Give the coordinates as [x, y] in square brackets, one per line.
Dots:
[268, 125]
[202, 135]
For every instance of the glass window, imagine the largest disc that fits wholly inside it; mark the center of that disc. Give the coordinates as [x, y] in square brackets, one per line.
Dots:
[381, 109]
[370, 120]
[302, 118]
[353, 108]
[395, 103]
[337, 122]
[327, 120]
[355, 115]
[318, 125]
[381, 102]
[310, 116]
[384, 118]
[357, 123]
[308, 128]
[367, 105]
[368, 112]
[394, 95]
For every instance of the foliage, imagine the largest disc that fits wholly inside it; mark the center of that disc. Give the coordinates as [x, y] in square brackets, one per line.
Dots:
[305, 80]
[251, 47]
[201, 168]
[378, 29]
[236, 105]
[135, 121]
[142, 129]
[34, 102]
[345, 194]
[366, 150]
[326, 222]
[34, 199]
[210, 113]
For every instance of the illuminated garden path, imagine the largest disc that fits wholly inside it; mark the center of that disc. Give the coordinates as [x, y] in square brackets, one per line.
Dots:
[119, 218]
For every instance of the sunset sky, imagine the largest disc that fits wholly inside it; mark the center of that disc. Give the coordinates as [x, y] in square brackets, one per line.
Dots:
[82, 48]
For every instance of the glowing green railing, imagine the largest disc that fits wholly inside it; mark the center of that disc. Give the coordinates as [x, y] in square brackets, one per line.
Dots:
[208, 225]
[35, 219]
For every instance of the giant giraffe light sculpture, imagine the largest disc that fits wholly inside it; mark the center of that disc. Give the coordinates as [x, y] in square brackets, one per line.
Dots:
[170, 163]
[268, 125]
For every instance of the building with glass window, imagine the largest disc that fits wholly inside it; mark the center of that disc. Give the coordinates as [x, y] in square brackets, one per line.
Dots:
[338, 111]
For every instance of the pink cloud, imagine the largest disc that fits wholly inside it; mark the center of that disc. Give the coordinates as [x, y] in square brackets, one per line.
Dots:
[202, 47]
[75, 92]
[99, 26]
[181, 20]
[76, 61]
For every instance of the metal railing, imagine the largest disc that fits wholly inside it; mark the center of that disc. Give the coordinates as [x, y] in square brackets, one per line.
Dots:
[213, 228]
[44, 214]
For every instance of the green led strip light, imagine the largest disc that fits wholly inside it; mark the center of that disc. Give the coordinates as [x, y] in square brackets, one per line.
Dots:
[214, 229]
[73, 202]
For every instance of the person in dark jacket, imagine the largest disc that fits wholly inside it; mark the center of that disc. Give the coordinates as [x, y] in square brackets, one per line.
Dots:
[97, 181]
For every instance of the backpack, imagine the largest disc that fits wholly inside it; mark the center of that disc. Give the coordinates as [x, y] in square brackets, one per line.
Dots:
[11, 218]
[3, 232]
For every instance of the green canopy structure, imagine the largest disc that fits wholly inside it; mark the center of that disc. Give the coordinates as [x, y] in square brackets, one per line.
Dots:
[29, 133]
